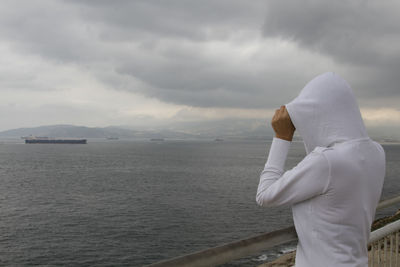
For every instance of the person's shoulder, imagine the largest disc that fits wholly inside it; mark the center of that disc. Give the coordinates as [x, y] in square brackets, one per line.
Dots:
[321, 149]
[317, 157]
[381, 150]
[379, 146]
[320, 153]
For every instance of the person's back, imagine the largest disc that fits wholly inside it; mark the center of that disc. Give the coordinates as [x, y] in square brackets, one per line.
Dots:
[335, 189]
[339, 220]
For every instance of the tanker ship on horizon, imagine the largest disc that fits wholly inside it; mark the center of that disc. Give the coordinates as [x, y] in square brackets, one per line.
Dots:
[47, 140]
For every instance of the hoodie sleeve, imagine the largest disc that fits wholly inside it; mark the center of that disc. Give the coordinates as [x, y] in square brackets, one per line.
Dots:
[306, 180]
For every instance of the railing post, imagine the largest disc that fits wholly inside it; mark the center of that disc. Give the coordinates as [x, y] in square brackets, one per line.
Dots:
[390, 252]
[397, 247]
[372, 255]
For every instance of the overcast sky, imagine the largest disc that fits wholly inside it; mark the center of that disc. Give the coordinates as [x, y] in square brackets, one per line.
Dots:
[100, 63]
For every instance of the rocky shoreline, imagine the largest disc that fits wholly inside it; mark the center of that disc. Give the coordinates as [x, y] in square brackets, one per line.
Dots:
[288, 259]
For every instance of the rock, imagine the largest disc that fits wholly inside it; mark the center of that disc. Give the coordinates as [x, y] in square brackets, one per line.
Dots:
[283, 261]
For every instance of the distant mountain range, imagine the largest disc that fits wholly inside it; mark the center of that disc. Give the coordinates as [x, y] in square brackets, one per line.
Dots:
[71, 131]
[226, 129]
[218, 129]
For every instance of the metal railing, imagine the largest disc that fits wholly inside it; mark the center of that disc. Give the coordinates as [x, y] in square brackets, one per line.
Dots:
[253, 245]
[384, 246]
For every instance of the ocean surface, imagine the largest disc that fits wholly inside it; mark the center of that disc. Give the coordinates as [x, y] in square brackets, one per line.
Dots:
[131, 203]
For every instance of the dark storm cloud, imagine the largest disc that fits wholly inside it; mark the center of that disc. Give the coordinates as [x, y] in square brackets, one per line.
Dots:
[194, 52]
[197, 20]
[352, 31]
[199, 80]
[129, 38]
[364, 34]
[81, 30]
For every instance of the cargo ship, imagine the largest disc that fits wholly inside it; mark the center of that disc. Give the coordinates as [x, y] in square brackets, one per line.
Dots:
[157, 139]
[46, 140]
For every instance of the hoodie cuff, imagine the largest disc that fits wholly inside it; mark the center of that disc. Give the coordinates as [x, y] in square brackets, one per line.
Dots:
[278, 153]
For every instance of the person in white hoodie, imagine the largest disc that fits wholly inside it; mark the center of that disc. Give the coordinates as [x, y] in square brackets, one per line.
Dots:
[335, 189]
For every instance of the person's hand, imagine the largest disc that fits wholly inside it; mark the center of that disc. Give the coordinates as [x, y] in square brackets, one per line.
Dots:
[282, 124]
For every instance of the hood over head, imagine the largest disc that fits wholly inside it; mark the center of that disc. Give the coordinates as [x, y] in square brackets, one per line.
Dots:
[326, 112]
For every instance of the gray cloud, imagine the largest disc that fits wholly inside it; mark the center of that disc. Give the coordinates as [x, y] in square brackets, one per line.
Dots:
[199, 20]
[359, 34]
[213, 53]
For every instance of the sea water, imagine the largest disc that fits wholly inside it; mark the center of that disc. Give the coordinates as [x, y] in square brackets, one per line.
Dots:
[131, 203]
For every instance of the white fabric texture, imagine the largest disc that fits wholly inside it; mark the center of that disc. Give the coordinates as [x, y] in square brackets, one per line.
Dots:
[335, 189]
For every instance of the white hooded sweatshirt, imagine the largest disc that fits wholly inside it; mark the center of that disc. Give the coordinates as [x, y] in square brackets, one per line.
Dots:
[335, 189]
